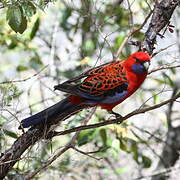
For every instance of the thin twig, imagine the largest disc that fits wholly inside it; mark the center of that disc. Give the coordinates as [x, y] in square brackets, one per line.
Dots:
[164, 171]
[163, 49]
[131, 33]
[86, 154]
[69, 145]
[164, 67]
[28, 78]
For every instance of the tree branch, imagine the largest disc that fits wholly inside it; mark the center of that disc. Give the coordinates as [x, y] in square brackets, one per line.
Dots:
[113, 121]
[170, 152]
[130, 34]
[70, 144]
[26, 79]
[160, 19]
[164, 67]
[26, 140]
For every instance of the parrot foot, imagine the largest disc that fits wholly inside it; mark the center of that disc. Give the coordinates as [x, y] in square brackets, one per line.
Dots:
[116, 114]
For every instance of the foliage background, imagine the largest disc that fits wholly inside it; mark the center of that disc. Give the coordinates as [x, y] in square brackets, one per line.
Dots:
[62, 39]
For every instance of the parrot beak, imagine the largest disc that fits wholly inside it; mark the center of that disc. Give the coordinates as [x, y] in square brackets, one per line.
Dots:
[146, 65]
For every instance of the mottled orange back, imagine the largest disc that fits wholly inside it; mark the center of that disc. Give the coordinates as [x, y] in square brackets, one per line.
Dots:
[103, 78]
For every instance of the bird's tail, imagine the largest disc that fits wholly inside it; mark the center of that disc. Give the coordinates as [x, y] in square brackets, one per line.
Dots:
[48, 114]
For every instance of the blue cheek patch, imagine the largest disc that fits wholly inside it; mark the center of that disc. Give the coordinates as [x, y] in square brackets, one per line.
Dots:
[138, 68]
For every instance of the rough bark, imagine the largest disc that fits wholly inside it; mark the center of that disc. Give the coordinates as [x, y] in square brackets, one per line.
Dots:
[161, 18]
[170, 152]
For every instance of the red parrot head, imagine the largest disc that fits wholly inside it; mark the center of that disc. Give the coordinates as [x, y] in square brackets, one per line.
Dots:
[138, 62]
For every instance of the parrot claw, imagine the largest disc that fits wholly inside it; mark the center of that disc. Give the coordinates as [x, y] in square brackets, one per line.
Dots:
[116, 114]
[55, 87]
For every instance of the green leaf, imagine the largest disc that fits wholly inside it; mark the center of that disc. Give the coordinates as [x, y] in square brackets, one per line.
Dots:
[3, 119]
[122, 145]
[103, 135]
[85, 137]
[168, 80]
[66, 14]
[16, 20]
[12, 45]
[156, 98]
[28, 8]
[89, 45]
[23, 25]
[35, 28]
[119, 40]
[14, 17]
[121, 170]
[146, 161]
[35, 62]
[10, 133]
[160, 81]
[134, 149]
[21, 68]
[139, 35]
[173, 70]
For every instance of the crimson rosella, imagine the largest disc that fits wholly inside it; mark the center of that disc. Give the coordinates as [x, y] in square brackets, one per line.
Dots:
[105, 86]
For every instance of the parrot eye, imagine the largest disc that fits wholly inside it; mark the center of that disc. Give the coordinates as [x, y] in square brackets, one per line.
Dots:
[138, 60]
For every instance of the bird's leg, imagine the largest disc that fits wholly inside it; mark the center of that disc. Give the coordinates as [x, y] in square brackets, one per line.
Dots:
[116, 114]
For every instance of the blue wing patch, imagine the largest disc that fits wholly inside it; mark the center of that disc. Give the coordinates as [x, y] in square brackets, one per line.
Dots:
[115, 98]
[111, 96]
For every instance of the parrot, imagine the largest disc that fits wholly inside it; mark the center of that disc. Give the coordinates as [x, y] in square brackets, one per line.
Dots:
[106, 86]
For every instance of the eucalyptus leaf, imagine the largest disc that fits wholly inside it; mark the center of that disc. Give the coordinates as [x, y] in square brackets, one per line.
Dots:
[146, 161]
[23, 25]
[16, 20]
[10, 134]
[21, 68]
[35, 28]
[29, 8]
[14, 17]
[103, 135]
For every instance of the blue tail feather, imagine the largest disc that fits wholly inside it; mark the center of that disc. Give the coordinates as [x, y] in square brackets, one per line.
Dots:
[47, 114]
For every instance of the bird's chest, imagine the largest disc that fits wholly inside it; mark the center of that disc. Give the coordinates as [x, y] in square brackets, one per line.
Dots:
[135, 81]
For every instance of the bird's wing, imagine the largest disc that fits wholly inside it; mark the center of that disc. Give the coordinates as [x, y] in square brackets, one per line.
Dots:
[101, 82]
